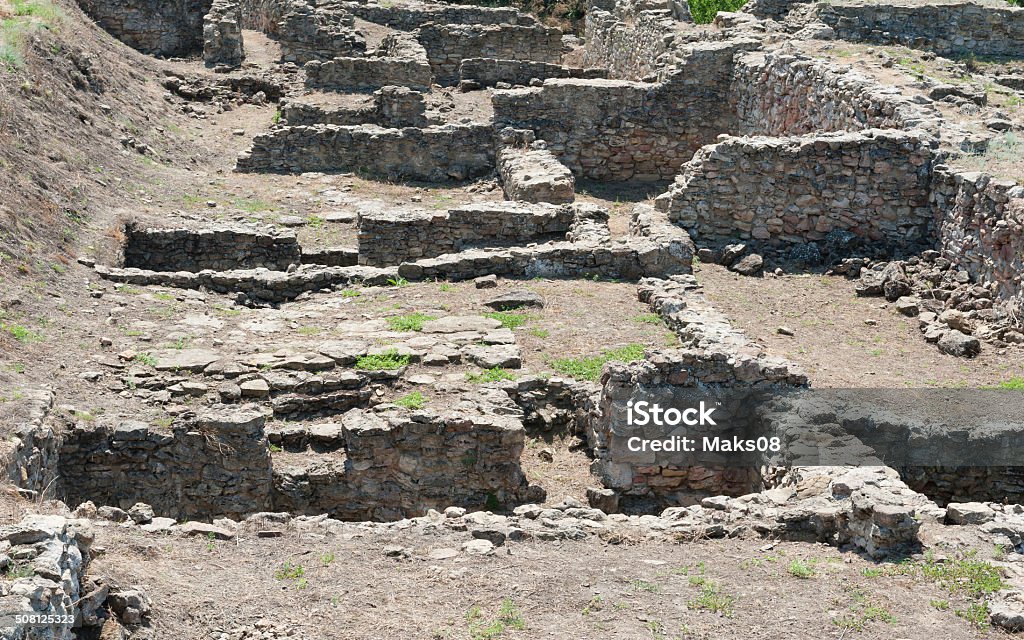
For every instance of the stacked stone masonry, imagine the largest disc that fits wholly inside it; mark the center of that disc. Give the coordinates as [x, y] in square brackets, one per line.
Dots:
[390, 238]
[630, 44]
[794, 190]
[390, 107]
[399, 61]
[222, 35]
[534, 175]
[221, 248]
[488, 72]
[409, 17]
[156, 27]
[434, 154]
[317, 33]
[448, 45]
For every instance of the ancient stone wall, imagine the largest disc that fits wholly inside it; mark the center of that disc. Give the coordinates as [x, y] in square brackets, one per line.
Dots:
[779, 94]
[403, 65]
[393, 237]
[317, 33]
[629, 44]
[534, 175]
[411, 17]
[217, 465]
[487, 72]
[401, 464]
[794, 190]
[390, 107]
[222, 35]
[212, 248]
[448, 45]
[948, 28]
[31, 443]
[770, 9]
[264, 15]
[434, 154]
[157, 27]
[980, 223]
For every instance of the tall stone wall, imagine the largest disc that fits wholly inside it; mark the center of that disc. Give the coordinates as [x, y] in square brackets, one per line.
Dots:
[629, 46]
[217, 465]
[981, 229]
[390, 238]
[219, 248]
[487, 72]
[156, 27]
[434, 154]
[948, 27]
[317, 33]
[412, 17]
[401, 464]
[794, 190]
[448, 45]
[222, 35]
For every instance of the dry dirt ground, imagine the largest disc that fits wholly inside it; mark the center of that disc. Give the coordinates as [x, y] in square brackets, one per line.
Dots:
[562, 590]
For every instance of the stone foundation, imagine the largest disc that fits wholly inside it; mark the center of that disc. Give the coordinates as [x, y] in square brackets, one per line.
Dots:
[534, 175]
[390, 107]
[156, 27]
[873, 183]
[222, 35]
[219, 249]
[317, 33]
[488, 72]
[447, 45]
[399, 61]
[411, 17]
[434, 154]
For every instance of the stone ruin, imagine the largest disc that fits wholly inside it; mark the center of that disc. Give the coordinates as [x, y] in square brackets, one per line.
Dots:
[774, 157]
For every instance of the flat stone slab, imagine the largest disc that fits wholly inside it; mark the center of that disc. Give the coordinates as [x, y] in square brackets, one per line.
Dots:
[194, 360]
[206, 530]
[516, 300]
[344, 352]
[506, 356]
[459, 324]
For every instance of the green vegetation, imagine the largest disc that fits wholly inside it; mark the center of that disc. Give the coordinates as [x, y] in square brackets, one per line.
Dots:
[398, 281]
[495, 374]
[296, 572]
[647, 318]
[508, 619]
[386, 361]
[539, 333]
[590, 368]
[327, 558]
[251, 206]
[800, 569]
[1013, 384]
[643, 585]
[409, 322]
[350, 293]
[28, 16]
[863, 614]
[711, 597]
[509, 320]
[414, 400]
[21, 333]
[704, 11]
[16, 571]
[145, 358]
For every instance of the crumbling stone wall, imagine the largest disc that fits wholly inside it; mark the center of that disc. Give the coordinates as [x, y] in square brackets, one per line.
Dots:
[222, 35]
[980, 223]
[534, 175]
[770, 9]
[217, 465]
[30, 442]
[389, 107]
[487, 72]
[393, 237]
[448, 45]
[399, 61]
[264, 15]
[948, 28]
[401, 464]
[412, 17]
[317, 33]
[629, 43]
[778, 94]
[156, 27]
[793, 190]
[218, 248]
[434, 154]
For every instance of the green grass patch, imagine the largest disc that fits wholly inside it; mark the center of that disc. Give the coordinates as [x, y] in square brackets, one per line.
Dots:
[289, 571]
[508, 619]
[495, 374]
[509, 319]
[800, 569]
[21, 333]
[539, 333]
[647, 318]
[409, 322]
[712, 598]
[387, 361]
[590, 368]
[1013, 384]
[145, 358]
[414, 400]
[251, 206]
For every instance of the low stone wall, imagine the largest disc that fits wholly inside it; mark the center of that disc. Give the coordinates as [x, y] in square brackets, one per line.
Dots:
[448, 45]
[873, 183]
[487, 72]
[534, 175]
[399, 61]
[629, 43]
[390, 238]
[157, 27]
[400, 464]
[981, 230]
[30, 443]
[770, 9]
[779, 94]
[432, 154]
[391, 107]
[222, 35]
[217, 465]
[409, 17]
[217, 248]
[947, 28]
[317, 33]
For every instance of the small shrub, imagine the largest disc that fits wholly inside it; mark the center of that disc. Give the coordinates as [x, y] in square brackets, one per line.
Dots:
[20, 333]
[977, 614]
[350, 293]
[398, 281]
[146, 359]
[704, 11]
[713, 599]
[289, 571]
[409, 322]
[387, 361]
[414, 400]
